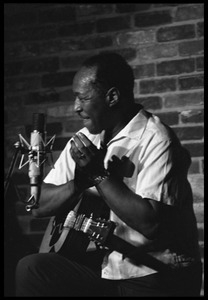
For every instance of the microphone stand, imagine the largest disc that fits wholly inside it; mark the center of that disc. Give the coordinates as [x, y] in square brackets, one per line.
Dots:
[12, 165]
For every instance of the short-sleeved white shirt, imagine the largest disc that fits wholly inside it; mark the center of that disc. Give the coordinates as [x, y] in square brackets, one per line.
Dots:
[152, 169]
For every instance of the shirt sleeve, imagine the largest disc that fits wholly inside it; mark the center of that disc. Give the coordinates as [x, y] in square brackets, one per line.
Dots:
[158, 178]
[64, 167]
[63, 170]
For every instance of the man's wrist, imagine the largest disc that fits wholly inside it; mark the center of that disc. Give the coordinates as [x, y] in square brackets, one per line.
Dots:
[97, 179]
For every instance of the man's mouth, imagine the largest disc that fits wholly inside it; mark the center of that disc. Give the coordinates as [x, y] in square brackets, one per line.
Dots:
[84, 117]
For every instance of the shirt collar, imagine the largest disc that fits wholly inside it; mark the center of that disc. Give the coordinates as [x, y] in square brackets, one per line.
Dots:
[134, 129]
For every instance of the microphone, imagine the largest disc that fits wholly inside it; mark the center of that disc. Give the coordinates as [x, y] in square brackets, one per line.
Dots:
[37, 157]
[37, 154]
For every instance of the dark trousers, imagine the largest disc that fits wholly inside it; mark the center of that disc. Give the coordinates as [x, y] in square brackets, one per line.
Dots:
[50, 274]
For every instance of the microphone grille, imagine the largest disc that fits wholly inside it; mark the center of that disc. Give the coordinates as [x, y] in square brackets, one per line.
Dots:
[39, 122]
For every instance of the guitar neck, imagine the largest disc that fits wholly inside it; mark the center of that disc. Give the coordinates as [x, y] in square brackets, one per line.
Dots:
[137, 255]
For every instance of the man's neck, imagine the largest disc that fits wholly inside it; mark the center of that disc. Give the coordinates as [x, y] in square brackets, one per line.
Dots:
[122, 121]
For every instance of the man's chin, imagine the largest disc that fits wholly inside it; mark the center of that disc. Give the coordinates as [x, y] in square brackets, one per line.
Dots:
[87, 122]
[92, 129]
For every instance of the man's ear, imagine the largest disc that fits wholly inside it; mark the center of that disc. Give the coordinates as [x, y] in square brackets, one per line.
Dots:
[112, 96]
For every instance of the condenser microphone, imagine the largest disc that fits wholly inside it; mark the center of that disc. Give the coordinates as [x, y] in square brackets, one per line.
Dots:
[37, 157]
[37, 152]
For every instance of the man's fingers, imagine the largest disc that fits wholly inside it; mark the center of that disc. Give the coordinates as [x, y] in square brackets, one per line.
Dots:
[84, 139]
[87, 143]
[78, 146]
[74, 150]
[78, 142]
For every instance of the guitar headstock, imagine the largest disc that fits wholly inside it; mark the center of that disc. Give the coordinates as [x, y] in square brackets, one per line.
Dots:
[98, 230]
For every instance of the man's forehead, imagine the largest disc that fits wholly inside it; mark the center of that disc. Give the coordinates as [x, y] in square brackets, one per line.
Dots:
[86, 75]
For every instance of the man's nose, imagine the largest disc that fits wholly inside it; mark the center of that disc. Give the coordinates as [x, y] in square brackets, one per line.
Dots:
[77, 105]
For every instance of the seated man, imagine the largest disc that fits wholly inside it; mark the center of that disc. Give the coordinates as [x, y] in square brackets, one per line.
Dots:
[135, 165]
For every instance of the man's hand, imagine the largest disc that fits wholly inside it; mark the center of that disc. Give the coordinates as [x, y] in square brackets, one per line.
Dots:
[81, 180]
[89, 159]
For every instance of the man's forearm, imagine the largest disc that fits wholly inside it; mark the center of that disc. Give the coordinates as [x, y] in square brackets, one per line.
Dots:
[55, 199]
[139, 213]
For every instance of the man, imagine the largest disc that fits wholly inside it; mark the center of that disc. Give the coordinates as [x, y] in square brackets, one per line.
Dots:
[137, 167]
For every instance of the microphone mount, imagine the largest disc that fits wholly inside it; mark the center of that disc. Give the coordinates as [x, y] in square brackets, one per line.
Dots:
[36, 156]
[37, 152]
[34, 152]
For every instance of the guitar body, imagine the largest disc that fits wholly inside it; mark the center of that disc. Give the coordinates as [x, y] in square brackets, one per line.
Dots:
[68, 241]
[45, 247]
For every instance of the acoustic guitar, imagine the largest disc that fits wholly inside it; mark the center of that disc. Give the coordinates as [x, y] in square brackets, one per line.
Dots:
[71, 233]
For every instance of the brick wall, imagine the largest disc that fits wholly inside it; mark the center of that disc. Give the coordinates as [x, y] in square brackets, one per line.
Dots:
[44, 46]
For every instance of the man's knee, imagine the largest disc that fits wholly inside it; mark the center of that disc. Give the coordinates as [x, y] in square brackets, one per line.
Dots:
[27, 265]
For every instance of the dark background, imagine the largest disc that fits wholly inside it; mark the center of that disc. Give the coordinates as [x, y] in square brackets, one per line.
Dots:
[44, 45]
